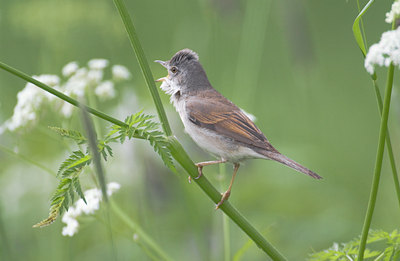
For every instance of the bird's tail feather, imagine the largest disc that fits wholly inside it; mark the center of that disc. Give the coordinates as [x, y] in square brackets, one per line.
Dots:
[291, 163]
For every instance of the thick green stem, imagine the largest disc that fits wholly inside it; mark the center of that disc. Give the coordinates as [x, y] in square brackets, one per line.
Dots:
[144, 66]
[378, 163]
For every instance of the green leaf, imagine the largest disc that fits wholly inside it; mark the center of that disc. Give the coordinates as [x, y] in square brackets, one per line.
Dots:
[141, 126]
[78, 188]
[356, 28]
[75, 161]
[349, 251]
[72, 134]
[64, 196]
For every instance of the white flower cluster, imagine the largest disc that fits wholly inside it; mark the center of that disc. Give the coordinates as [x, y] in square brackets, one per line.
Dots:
[29, 101]
[385, 52]
[93, 198]
[393, 13]
[78, 81]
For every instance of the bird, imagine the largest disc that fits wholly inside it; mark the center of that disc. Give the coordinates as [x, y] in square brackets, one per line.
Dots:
[215, 123]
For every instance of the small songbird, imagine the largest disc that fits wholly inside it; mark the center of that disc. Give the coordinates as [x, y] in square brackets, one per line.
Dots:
[213, 122]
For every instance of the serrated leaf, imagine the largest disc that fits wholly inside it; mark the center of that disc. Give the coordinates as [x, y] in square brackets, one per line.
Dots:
[71, 134]
[78, 189]
[63, 197]
[348, 250]
[141, 126]
[76, 155]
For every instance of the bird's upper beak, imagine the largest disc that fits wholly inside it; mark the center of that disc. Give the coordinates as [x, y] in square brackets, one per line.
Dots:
[164, 64]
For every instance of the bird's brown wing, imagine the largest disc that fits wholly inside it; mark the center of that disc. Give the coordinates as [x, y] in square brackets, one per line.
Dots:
[221, 116]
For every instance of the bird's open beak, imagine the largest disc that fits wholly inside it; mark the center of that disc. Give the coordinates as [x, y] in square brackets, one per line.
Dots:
[162, 63]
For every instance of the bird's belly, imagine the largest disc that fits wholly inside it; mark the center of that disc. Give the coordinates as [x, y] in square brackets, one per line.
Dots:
[218, 145]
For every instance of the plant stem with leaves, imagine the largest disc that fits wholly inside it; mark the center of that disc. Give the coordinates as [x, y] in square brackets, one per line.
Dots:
[378, 162]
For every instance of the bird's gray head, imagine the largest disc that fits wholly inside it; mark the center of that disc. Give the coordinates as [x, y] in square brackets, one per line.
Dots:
[185, 74]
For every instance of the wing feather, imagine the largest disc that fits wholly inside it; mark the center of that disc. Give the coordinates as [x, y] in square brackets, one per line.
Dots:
[223, 117]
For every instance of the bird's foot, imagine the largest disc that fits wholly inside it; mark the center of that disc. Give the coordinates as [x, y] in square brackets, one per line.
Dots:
[200, 170]
[225, 197]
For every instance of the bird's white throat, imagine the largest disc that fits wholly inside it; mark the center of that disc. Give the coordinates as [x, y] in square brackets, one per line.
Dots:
[172, 89]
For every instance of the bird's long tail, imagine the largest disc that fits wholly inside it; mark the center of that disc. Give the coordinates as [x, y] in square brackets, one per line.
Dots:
[290, 163]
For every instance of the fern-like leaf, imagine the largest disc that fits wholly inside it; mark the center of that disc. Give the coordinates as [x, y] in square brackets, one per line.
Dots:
[63, 197]
[142, 126]
[349, 251]
[75, 161]
[72, 134]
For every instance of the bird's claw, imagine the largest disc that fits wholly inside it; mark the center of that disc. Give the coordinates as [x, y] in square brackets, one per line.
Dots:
[225, 197]
[200, 170]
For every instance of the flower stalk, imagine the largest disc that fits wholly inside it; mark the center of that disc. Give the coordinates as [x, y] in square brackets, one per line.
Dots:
[378, 163]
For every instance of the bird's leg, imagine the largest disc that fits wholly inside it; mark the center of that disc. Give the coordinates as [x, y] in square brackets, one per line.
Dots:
[200, 166]
[227, 193]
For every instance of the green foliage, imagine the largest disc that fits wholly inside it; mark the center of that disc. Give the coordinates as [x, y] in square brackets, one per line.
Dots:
[63, 197]
[139, 125]
[72, 134]
[349, 251]
[75, 161]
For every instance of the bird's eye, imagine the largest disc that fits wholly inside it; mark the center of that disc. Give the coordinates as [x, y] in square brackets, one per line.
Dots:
[174, 69]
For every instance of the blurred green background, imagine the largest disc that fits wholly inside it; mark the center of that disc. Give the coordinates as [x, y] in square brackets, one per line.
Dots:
[293, 64]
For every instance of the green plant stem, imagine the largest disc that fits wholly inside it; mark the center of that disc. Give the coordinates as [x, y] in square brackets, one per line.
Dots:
[378, 163]
[92, 141]
[92, 102]
[144, 66]
[388, 145]
[225, 219]
[138, 230]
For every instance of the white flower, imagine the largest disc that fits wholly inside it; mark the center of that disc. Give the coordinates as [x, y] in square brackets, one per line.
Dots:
[98, 64]
[385, 52]
[120, 72]
[93, 198]
[29, 101]
[112, 187]
[105, 90]
[394, 12]
[70, 69]
[95, 76]
[71, 228]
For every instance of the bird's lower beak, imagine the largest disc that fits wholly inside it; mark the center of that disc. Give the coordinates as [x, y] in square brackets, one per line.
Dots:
[162, 63]
[161, 79]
